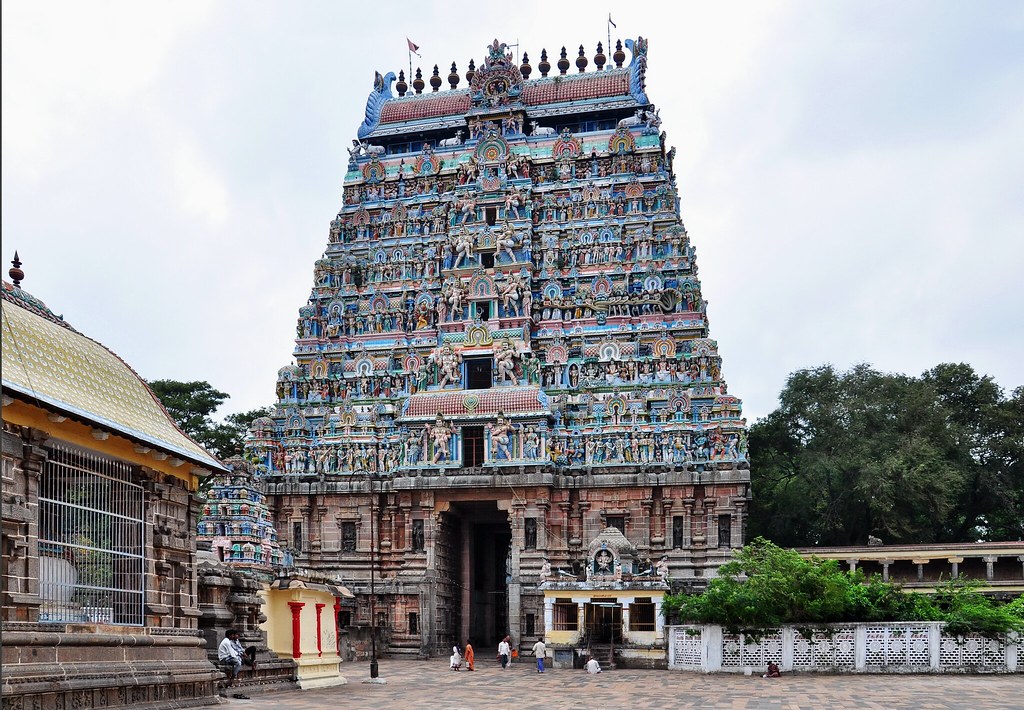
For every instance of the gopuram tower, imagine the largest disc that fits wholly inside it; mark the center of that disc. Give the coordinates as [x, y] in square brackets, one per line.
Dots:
[504, 353]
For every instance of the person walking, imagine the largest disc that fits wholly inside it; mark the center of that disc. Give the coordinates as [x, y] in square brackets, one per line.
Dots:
[470, 656]
[539, 650]
[456, 658]
[504, 652]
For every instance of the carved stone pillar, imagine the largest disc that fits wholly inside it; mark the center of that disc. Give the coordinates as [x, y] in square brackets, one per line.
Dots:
[688, 522]
[296, 608]
[990, 566]
[544, 506]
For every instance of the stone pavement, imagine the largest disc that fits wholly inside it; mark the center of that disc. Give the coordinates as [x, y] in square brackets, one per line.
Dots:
[429, 684]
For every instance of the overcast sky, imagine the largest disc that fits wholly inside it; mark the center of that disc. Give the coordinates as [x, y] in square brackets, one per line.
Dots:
[851, 173]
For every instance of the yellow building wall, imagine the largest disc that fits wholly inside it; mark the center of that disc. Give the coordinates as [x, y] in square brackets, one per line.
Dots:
[316, 669]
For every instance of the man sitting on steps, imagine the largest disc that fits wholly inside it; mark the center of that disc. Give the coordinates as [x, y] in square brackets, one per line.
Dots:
[232, 656]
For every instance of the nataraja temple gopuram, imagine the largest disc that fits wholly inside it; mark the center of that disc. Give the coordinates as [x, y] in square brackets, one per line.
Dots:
[504, 353]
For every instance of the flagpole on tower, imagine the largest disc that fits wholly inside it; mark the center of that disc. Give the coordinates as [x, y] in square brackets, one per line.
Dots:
[610, 25]
[412, 50]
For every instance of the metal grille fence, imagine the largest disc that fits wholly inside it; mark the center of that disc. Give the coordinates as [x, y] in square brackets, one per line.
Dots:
[91, 539]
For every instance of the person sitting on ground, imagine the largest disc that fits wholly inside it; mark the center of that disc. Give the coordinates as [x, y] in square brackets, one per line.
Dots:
[773, 671]
[593, 666]
[456, 658]
[232, 656]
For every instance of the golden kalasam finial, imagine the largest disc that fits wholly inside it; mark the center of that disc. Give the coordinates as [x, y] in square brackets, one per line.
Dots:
[16, 273]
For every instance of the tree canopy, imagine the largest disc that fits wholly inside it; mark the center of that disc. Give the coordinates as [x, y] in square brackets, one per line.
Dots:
[192, 404]
[935, 458]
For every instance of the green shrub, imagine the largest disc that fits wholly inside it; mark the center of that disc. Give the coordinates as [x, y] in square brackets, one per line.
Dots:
[765, 586]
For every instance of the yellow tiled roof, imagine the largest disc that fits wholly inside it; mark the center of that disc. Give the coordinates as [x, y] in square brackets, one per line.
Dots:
[48, 361]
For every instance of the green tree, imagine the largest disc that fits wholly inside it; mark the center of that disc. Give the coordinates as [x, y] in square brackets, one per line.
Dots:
[192, 404]
[858, 453]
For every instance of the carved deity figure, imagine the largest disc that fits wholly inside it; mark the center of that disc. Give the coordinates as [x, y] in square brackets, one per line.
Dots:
[545, 570]
[501, 436]
[462, 245]
[662, 568]
[603, 562]
[440, 433]
[449, 365]
[509, 292]
[505, 362]
[531, 443]
[506, 240]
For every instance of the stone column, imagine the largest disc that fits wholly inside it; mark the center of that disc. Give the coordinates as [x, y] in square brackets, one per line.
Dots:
[920, 568]
[296, 608]
[659, 622]
[465, 555]
[955, 564]
[549, 613]
[319, 629]
[544, 505]
[885, 569]
[852, 563]
[646, 508]
[990, 566]
[688, 505]
[626, 601]
[514, 602]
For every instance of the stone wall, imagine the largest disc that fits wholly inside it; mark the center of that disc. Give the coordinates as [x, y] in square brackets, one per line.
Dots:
[896, 647]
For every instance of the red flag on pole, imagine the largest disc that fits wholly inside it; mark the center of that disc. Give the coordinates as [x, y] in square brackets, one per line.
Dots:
[413, 47]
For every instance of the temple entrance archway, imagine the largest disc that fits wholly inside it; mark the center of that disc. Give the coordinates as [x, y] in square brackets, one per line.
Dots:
[485, 568]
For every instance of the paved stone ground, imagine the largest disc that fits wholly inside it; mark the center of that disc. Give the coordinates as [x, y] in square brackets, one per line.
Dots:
[429, 684]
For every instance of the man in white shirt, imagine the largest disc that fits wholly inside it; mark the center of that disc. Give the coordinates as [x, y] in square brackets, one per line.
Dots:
[593, 666]
[232, 656]
[504, 652]
[539, 650]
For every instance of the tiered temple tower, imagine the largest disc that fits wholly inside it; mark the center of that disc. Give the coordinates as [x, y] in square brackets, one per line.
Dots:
[505, 351]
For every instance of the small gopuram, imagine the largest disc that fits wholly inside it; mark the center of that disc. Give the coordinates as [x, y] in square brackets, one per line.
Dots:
[98, 598]
[611, 612]
[505, 351]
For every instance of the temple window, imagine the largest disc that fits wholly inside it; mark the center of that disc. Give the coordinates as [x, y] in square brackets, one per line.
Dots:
[483, 310]
[478, 373]
[472, 445]
[91, 539]
[348, 536]
[531, 624]
[414, 622]
[297, 535]
[641, 615]
[491, 215]
[616, 521]
[565, 616]
[530, 529]
[487, 259]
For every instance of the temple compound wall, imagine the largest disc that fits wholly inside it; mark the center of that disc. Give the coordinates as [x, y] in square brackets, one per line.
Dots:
[98, 599]
[505, 352]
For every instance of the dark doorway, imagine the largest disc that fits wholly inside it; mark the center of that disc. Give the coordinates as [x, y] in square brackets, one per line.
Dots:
[472, 446]
[487, 259]
[603, 622]
[485, 556]
[478, 373]
[491, 215]
[483, 310]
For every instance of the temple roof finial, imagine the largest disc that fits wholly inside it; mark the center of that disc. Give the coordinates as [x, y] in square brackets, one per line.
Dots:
[581, 60]
[16, 273]
[453, 76]
[563, 62]
[435, 79]
[418, 83]
[545, 65]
